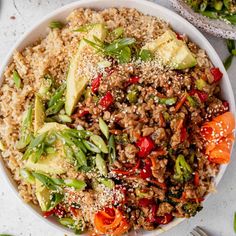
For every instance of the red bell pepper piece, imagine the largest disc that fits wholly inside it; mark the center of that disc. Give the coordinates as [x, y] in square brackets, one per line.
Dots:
[48, 213]
[134, 80]
[226, 105]
[107, 100]
[163, 220]
[196, 179]
[154, 209]
[203, 96]
[217, 74]
[179, 36]
[146, 145]
[59, 211]
[146, 171]
[145, 202]
[96, 83]
[80, 113]
[183, 134]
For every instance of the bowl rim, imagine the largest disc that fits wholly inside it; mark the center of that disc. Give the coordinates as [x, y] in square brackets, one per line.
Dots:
[215, 27]
[4, 171]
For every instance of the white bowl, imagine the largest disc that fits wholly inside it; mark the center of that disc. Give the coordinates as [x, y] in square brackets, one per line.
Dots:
[177, 22]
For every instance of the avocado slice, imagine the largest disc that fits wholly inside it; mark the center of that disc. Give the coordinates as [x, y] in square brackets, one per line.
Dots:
[76, 82]
[52, 126]
[53, 163]
[42, 195]
[153, 46]
[39, 114]
[172, 52]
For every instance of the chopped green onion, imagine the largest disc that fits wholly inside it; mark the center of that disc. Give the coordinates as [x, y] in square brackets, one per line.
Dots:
[91, 147]
[25, 134]
[145, 55]
[99, 142]
[117, 33]
[68, 222]
[167, 101]
[101, 165]
[85, 28]
[17, 79]
[191, 101]
[200, 84]
[26, 175]
[64, 118]
[47, 181]
[81, 158]
[56, 198]
[107, 182]
[56, 25]
[112, 149]
[57, 95]
[132, 95]
[75, 183]
[103, 127]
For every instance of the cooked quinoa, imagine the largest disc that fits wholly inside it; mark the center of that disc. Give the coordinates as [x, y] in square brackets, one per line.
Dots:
[154, 165]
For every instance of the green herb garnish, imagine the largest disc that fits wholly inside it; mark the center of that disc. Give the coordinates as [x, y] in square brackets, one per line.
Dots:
[56, 25]
[17, 79]
[119, 48]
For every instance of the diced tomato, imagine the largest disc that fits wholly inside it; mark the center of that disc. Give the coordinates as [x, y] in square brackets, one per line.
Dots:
[179, 36]
[80, 113]
[183, 134]
[217, 74]
[107, 100]
[154, 209]
[96, 83]
[146, 171]
[145, 202]
[59, 211]
[134, 80]
[163, 220]
[146, 145]
[48, 213]
[203, 96]
[226, 105]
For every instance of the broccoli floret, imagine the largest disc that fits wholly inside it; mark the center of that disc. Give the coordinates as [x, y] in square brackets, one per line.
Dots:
[183, 171]
[191, 208]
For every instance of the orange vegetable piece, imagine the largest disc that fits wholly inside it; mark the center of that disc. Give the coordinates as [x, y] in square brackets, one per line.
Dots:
[219, 127]
[106, 223]
[123, 227]
[220, 154]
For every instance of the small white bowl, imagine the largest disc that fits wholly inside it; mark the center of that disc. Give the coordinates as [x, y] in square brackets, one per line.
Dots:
[218, 28]
[177, 22]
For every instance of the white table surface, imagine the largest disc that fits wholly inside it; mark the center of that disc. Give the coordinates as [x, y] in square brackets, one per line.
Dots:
[217, 215]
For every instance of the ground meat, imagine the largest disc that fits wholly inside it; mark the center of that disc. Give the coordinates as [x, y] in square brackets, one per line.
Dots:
[159, 135]
[163, 208]
[159, 170]
[130, 152]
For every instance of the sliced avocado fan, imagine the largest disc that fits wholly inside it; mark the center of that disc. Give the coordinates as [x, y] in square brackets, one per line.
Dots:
[171, 52]
[77, 80]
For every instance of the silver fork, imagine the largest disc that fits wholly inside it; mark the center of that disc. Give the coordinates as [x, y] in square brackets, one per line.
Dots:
[197, 231]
